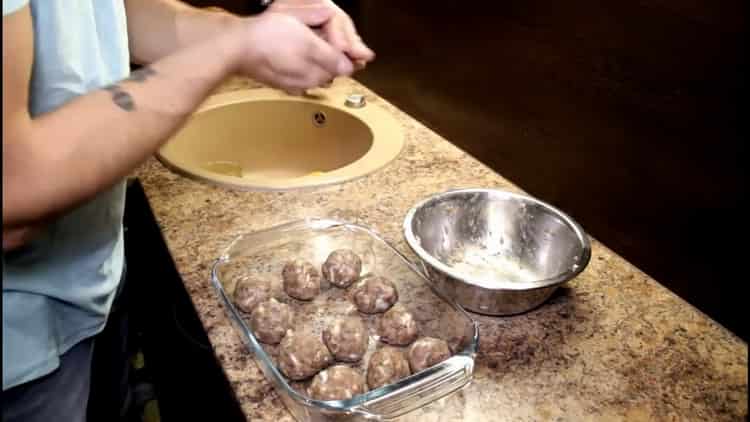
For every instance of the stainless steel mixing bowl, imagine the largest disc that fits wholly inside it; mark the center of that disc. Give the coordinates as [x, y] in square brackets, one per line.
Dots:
[496, 252]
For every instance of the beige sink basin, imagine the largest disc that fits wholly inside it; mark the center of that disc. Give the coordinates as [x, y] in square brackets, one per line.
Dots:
[265, 139]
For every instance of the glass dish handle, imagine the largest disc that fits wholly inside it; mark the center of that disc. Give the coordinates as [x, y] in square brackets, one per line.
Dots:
[434, 383]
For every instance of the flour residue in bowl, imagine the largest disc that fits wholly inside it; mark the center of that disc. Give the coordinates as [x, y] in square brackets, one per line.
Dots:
[475, 264]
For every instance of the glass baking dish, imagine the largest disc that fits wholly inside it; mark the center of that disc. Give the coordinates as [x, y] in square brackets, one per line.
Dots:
[261, 256]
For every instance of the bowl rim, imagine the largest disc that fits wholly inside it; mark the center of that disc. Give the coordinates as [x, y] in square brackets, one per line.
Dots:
[574, 269]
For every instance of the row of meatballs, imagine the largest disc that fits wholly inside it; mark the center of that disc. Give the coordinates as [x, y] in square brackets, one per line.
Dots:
[302, 355]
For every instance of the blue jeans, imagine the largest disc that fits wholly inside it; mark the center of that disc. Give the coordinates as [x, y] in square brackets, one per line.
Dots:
[74, 389]
[60, 395]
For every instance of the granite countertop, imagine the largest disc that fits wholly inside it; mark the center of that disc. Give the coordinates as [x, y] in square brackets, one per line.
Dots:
[612, 345]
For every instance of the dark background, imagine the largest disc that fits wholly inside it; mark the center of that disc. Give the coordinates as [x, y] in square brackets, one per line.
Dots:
[625, 114]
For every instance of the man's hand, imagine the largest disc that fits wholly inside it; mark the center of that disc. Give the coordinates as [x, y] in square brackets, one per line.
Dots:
[280, 51]
[332, 23]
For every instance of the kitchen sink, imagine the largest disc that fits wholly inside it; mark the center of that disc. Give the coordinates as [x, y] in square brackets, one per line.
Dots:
[265, 139]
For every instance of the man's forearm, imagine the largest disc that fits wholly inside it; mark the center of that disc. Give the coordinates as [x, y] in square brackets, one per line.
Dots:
[56, 161]
[157, 28]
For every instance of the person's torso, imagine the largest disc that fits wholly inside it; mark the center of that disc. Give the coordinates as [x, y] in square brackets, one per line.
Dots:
[57, 290]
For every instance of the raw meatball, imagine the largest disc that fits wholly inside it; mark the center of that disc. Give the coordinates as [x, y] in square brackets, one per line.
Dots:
[374, 295]
[426, 352]
[342, 268]
[301, 280]
[387, 365]
[250, 293]
[270, 320]
[398, 327]
[302, 355]
[338, 382]
[347, 339]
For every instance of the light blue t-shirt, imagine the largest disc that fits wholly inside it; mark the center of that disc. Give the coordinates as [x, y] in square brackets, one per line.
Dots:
[58, 290]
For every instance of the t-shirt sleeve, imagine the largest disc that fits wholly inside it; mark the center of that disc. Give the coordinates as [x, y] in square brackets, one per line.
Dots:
[10, 6]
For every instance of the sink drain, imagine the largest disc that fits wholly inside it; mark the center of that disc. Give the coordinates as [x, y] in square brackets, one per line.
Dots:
[319, 119]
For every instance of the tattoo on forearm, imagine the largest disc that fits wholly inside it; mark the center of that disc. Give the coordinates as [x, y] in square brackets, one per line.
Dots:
[121, 97]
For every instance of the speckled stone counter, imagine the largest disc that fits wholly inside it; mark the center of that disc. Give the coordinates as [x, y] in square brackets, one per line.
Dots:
[613, 345]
